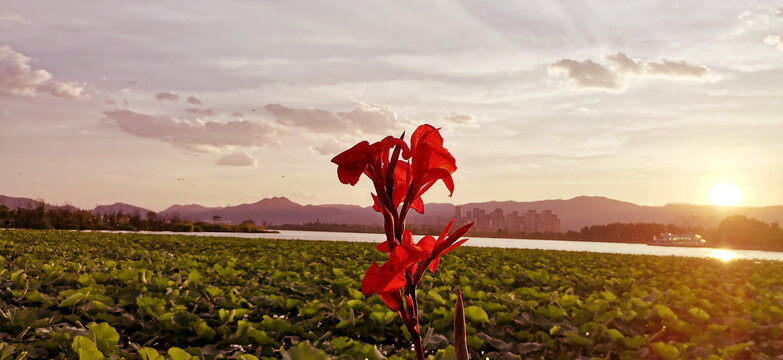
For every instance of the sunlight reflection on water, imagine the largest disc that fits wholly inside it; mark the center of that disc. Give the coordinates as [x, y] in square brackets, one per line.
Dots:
[723, 255]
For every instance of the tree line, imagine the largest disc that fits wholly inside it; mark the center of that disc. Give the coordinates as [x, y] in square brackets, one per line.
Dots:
[43, 216]
[736, 231]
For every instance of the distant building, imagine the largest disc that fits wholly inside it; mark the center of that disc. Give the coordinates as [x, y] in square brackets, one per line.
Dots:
[529, 221]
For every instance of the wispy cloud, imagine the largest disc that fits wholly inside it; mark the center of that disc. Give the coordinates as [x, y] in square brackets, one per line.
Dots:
[167, 96]
[194, 100]
[330, 147]
[588, 74]
[774, 40]
[192, 135]
[205, 112]
[460, 119]
[314, 119]
[17, 78]
[237, 159]
[364, 117]
[370, 118]
[9, 19]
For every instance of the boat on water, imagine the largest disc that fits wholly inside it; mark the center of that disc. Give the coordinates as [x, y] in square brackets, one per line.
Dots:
[669, 239]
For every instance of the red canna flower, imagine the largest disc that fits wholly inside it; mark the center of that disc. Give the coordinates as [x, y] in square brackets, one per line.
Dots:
[389, 278]
[430, 160]
[437, 248]
[400, 179]
[428, 250]
[366, 158]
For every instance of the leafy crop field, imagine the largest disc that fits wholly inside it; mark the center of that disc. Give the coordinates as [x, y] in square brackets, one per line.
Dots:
[72, 295]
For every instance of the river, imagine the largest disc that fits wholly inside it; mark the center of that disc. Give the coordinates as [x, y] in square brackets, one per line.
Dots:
[601, 247]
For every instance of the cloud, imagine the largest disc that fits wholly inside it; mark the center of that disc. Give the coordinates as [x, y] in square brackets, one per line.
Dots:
[167, 96]
[237, 159]
[758, 21]
[774, 40]
[205, 112]
[18, 79]
[9, 19]
[586, 74]
[370, 117]
[314, 119]
[194, 135]
[589, 74]
[460, 119]
[626, 64]
[677, 69]
[194, 100]
[330, 147]
[364, 118]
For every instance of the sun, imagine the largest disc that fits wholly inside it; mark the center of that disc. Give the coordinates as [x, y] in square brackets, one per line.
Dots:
[725, 194]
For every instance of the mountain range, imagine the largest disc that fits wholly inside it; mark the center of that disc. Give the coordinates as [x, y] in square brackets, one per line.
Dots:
[574, 213]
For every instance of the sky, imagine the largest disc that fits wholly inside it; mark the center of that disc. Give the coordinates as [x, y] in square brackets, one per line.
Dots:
[156, 103]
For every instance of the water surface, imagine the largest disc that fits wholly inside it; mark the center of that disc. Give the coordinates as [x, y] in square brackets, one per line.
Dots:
[601, 247]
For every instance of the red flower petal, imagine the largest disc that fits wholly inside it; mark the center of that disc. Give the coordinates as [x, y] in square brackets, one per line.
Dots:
[418, 205]
[392, 300]
[351, 163]
[376, 203]
[372, 277]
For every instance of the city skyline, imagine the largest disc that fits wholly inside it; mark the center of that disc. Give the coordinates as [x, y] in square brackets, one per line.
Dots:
[227, 103]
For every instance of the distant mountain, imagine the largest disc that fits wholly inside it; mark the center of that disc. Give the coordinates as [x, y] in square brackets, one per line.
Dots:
[17, 202]
[277, 210]
[27, 203]
[573, 213]
[117, 207]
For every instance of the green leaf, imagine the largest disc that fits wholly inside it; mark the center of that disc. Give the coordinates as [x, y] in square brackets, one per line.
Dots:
[72, 300]
[203, 330]
[476, 314]
[303, 351]
[86, 349]
[445, 354]
[106, 337]
[554, 330]
[665, 350]
[474, 342]
[614, 334]
[176, 353]
[664, 312]
[194, 276]
[147, 353]
[699, 313]
[341, 343]
[246, 357]
[608, 295]
[729, 352]
[634, 342]
[432, 294]
[577, 339]
[260, 337]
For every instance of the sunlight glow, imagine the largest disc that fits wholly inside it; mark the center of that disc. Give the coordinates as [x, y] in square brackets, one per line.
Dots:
[725, 194]
[723, 255]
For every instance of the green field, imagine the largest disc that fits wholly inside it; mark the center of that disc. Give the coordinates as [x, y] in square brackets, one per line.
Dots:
[97, 295]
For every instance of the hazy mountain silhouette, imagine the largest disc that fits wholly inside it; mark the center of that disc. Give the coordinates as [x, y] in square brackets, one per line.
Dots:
[17, 202]
[117, 207]
[277, 210]
[574, 213]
